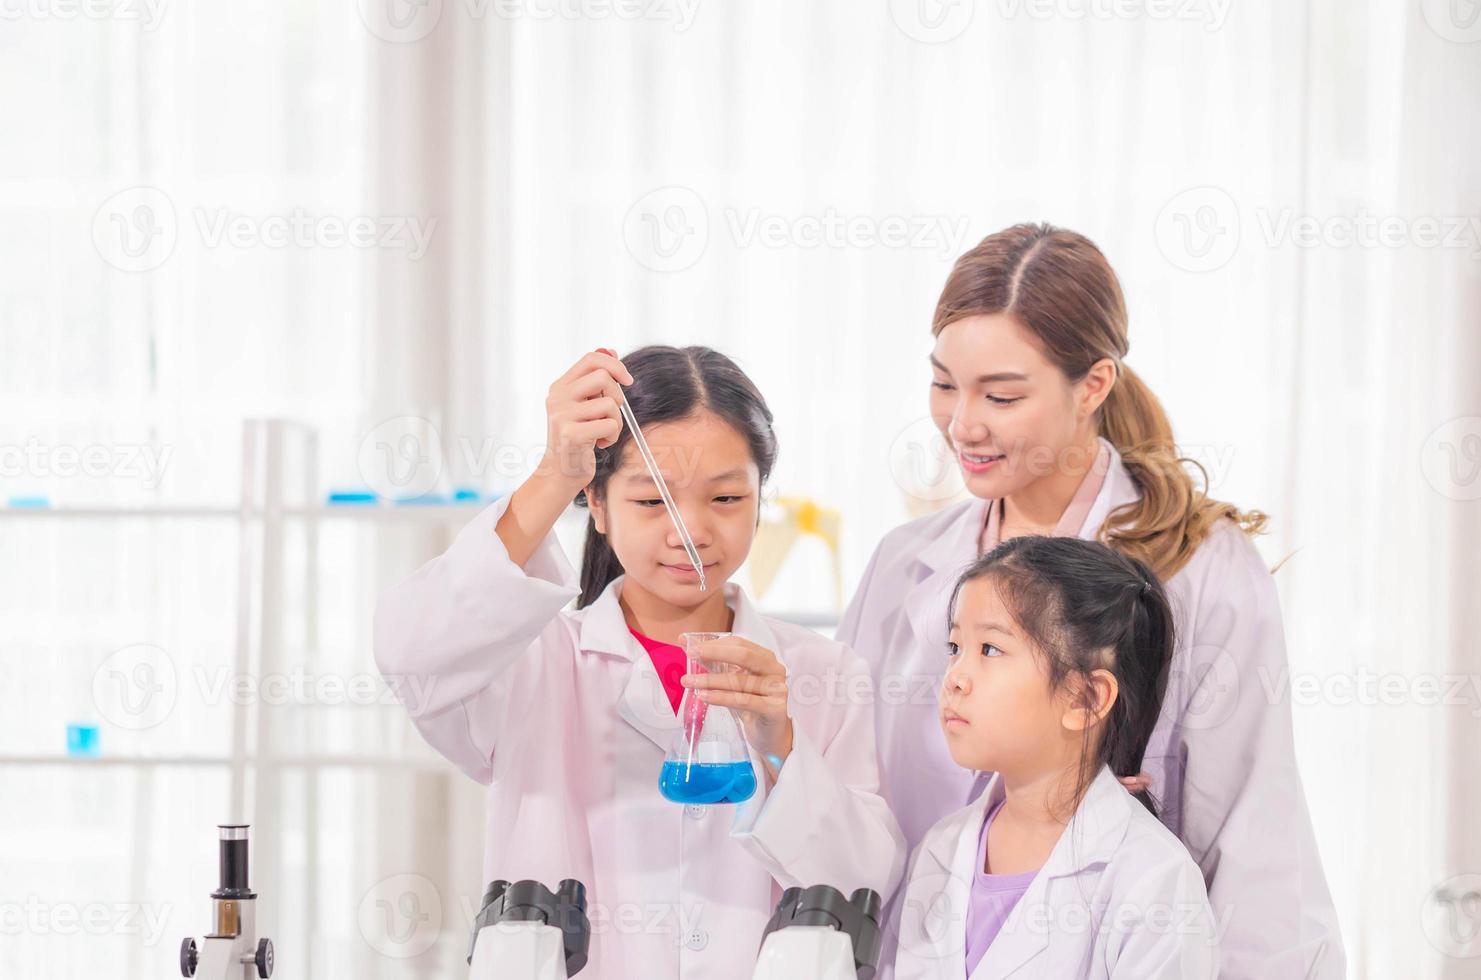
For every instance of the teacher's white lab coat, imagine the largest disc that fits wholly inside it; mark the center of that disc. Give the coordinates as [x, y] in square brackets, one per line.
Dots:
[1119, 897]
[1221, 757]
[563, 716]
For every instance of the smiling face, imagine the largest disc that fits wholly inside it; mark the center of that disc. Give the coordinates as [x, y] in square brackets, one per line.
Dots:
[716, 486]
[1007, 410]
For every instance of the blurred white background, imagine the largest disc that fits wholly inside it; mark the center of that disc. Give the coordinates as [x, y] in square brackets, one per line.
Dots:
[390, 226]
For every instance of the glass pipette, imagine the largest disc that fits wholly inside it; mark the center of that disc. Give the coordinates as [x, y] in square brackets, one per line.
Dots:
[663, 490]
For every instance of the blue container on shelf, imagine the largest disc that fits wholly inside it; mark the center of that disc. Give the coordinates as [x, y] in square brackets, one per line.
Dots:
[352, 497]
[83, 740]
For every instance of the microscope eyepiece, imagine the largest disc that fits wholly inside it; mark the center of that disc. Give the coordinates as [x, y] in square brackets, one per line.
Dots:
[233, 860]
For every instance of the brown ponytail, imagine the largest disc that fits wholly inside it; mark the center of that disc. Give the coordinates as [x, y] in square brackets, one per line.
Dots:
[1060, 287]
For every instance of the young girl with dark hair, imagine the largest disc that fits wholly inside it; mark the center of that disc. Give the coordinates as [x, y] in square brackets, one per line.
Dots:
[566, 715]
[1058, 659]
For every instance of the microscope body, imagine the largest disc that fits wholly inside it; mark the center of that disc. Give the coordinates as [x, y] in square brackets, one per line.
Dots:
[231, 951]
[524, 931]
[818, 934]
[806, 953]
[526, 950]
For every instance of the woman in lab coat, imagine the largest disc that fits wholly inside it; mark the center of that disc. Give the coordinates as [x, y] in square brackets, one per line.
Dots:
[1059, 654]
[565, 716]
[1054, 434]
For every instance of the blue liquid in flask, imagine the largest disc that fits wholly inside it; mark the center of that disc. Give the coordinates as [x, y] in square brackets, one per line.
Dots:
[703, 783]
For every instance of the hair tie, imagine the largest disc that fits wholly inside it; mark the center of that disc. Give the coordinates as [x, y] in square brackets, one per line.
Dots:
[1146, 587]
[1139, 783]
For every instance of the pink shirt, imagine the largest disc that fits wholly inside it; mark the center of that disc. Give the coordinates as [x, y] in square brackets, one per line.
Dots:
[670, 661]
[993, 898]
[1074, 515]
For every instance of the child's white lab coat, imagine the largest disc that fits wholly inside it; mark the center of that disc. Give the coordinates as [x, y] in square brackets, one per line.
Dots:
[563, 716]
[1119, 897]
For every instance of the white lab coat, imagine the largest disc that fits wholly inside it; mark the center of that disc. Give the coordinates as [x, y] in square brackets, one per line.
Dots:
[1221, 757]
[563, 716]
[1118, 897]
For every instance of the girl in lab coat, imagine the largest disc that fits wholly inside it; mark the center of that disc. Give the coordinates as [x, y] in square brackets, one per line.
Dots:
[1059, 651]
[1054, 434]
[566, 715]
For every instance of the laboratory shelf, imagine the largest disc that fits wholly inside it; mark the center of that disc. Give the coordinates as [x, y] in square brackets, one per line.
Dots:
[327, 761]
[392, 513]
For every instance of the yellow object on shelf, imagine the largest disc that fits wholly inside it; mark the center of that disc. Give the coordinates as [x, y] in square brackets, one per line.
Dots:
[776, 537]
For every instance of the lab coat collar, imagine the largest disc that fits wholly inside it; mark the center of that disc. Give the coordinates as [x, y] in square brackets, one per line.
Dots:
[1088, 843]
[951, 544]
[644, 704]
[1090, 838]
[604, 627]
[1116, 490]
[955, 541]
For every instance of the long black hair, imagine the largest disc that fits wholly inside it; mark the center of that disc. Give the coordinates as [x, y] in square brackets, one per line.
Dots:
[671, 383]
[1088, 607]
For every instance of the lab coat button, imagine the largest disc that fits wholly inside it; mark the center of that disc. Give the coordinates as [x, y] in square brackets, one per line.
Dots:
[694, 812]
[697, 939]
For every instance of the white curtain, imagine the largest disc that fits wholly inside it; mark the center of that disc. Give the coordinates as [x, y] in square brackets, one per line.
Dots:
[1285, 190]
[1290, 197]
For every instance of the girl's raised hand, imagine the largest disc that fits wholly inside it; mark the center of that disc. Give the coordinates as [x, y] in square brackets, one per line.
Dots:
[757, 690]
[581, 416]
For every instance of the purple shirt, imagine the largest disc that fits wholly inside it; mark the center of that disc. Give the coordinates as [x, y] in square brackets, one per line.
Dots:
[993, 898]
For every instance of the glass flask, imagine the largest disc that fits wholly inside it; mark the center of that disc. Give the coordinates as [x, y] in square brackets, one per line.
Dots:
[708, 762]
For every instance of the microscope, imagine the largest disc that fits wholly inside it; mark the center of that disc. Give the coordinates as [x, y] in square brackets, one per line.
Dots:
[817, 934]
[526, 932]
[232, 949]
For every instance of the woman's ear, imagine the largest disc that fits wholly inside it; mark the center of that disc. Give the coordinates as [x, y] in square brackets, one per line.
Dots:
[1096, 386]
[1092, 702]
